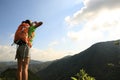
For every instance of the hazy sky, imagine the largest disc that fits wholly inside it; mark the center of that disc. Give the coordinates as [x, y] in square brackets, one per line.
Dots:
[69, 26]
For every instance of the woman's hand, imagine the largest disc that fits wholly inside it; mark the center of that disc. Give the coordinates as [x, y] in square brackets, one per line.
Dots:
[37, 24]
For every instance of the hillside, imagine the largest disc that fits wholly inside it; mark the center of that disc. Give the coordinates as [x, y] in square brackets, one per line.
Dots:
[8, 69]
[101, 60]
[10, 74]
[34, 65]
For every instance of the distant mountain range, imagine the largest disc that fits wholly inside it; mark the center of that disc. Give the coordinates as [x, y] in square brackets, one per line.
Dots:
[10, 74]
[13, 64]
[101, 60]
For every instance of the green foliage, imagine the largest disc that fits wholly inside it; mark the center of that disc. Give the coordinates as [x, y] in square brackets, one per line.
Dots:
[73, 78]
[82, 75]
[116, 42]
[111, 64]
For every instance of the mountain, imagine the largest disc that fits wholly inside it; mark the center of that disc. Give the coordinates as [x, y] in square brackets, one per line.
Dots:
[37, 66]
[8, 69]
[6, 65]
[34, 65]
[10, 74]
[101, 60]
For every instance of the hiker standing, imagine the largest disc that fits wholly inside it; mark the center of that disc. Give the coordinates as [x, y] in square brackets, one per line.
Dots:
[23, 38]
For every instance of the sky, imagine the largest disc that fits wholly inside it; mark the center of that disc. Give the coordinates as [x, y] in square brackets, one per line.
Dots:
[69, 26]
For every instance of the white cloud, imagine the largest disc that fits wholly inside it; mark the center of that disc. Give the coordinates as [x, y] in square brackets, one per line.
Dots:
[97, 28]
[92, 9]
[73, 35]
[7, 53]
[48, 54]
[99, 4]
[100, 21]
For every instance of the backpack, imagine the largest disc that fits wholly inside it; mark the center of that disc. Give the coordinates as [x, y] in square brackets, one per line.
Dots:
[21, 35]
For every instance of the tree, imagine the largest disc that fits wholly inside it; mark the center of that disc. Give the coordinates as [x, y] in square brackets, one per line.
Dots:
[82, 75]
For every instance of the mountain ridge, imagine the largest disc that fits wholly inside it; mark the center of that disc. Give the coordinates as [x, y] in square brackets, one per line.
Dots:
[95, 60]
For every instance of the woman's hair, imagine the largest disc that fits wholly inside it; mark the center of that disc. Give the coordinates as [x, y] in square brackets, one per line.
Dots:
[27, 21]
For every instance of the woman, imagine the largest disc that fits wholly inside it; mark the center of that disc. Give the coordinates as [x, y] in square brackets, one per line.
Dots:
[22, 53]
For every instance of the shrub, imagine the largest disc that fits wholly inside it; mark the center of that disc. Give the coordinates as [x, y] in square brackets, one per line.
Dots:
[82, 75]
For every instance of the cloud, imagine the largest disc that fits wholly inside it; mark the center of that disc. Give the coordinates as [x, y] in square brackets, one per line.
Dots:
[87, 34]
[73, 35]
[48, 54]
[7, 53]
[99, 21]
[92, 9]
[99, 4]
[98, 17]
